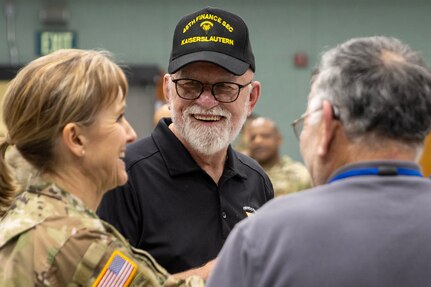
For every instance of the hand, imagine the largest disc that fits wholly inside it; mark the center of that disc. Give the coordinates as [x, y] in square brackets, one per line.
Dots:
[203, 271]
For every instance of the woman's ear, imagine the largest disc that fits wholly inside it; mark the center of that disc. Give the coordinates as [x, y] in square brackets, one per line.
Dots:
[73, 139]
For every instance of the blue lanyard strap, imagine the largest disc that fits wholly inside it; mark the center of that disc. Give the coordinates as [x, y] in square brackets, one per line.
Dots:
[381, 171]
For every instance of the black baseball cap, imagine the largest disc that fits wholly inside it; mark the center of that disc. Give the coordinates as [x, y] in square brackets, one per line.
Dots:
[212, 35]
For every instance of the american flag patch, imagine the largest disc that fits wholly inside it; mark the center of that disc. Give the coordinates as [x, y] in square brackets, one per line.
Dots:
[119, 271]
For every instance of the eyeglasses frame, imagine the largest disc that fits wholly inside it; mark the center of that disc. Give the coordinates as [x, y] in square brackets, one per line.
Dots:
[175, 81]
[300, 121]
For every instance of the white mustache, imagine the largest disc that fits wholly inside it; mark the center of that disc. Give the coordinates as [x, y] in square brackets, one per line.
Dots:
[216, 111]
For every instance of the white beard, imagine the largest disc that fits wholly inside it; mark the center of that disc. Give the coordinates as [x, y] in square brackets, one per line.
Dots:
[203, 139]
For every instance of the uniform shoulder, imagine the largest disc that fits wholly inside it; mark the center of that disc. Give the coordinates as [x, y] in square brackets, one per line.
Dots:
[286, 161]
[293, 168]
[27, 212]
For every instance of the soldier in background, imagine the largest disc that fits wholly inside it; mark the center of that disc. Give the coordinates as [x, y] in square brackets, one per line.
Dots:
[264, 141]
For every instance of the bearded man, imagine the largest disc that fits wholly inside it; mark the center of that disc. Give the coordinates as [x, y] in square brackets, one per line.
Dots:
[187, 187]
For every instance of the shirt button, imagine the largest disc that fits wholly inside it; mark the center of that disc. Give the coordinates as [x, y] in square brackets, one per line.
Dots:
[224, 215]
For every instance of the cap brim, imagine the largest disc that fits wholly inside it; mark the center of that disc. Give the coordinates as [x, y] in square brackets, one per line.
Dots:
[231, 64]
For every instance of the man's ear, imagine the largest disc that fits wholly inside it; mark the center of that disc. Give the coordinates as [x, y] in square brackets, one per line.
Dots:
[73, 139]
[254, 96]
[166, 87]
[329, 127]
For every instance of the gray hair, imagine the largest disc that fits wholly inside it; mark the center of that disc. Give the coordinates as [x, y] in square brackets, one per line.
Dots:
[380, 86]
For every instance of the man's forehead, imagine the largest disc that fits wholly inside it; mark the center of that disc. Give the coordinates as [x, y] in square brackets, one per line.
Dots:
[263, 124]
[261, 121]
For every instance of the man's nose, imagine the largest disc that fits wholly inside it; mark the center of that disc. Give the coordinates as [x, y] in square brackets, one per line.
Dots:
[207, 99]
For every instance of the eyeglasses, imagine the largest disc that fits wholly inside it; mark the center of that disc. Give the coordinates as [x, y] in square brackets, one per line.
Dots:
[224, 92]
[298, 124]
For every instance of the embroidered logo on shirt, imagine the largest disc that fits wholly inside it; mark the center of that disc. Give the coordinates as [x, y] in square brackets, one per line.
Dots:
[248, 210]
[118, 271]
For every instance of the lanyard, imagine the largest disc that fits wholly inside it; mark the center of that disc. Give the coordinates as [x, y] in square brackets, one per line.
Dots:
[380, 171]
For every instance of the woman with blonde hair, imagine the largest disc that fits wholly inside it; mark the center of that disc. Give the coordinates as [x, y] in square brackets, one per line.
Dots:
[64, 113]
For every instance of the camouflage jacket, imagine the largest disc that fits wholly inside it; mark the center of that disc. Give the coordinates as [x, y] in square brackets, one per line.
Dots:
[49, 238]
[288, 176]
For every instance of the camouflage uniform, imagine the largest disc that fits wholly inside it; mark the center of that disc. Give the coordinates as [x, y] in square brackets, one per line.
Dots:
[49, 238]
[288, 176]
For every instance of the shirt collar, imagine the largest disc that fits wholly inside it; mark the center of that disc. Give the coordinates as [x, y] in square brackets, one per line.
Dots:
[376, 163]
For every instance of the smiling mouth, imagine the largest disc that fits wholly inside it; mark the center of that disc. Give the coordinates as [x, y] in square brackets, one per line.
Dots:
[207, 118]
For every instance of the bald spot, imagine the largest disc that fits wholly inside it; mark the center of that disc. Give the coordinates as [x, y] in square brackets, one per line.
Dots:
[263, 122]
[389, 57]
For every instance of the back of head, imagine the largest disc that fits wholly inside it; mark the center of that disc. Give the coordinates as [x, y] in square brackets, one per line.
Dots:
[381, 87]
[62, 87]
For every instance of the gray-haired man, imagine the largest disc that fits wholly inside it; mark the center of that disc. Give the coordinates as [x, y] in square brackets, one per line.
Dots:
[367, 223]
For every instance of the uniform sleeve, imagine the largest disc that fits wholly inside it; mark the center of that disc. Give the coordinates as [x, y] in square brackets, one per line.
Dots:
[303, 177]
[92, 258]
[120, 207]
[16, 267]
[236, 265]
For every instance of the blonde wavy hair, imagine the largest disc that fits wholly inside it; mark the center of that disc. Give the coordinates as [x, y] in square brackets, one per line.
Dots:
[69, 85]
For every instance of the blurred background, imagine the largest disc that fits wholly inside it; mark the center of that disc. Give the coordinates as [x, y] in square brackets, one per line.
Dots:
[287, 38]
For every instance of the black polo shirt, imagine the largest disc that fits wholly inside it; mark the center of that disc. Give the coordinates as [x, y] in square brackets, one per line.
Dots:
[173, 209]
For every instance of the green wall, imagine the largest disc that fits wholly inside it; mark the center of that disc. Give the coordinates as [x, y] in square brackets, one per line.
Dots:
[139, 32]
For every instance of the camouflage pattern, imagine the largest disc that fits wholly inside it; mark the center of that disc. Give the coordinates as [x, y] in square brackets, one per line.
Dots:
[49, 238]
[288, 176]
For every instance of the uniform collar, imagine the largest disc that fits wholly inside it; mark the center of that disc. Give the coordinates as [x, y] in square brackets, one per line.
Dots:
[53, 191]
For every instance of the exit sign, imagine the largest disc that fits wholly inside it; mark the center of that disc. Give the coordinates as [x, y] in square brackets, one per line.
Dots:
[50, 41]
